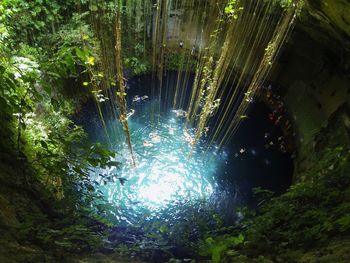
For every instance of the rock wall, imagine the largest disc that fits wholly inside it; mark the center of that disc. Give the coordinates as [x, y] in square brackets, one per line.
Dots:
[331, 15]
[313, 71]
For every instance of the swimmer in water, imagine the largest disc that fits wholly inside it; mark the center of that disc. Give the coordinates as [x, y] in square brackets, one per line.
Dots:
[180, 113]
[155, 138]
[137, 98]
[132, 112]
[147, 144]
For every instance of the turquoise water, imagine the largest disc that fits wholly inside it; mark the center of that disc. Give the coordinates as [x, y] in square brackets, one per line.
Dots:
[168, 170]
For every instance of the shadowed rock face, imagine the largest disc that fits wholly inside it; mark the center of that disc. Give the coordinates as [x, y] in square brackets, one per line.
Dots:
[333, 15]
[338, 129]
[313, 72]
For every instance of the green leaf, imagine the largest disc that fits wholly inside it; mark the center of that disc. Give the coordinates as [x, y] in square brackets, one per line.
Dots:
[209, 240]
[53, 74]
[93, 162]
[216, 253]
[23, 126]
[55, 104]
[163, 229]
[82, 54]
[90, 188]
[2, 69]
[93, 8]
[113, 163]
[44, 144]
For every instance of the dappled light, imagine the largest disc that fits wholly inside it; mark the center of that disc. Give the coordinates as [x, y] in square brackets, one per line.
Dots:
[164, 171]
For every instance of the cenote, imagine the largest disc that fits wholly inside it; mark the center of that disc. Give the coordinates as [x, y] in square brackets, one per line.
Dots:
[173, 181]
[169, 169]
[174, 131]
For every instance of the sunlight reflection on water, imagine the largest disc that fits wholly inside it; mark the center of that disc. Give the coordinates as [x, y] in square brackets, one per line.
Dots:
[164, 171]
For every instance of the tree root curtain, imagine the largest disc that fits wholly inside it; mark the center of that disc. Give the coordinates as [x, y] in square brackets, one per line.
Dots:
[237, 43]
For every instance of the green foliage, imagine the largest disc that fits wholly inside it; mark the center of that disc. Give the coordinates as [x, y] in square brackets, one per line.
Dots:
[136, 65]
[29, 21]
[179, 225]
[216, 247]
[135, 59]
[307, 216]
[55, 150]
[176, 61]
[75, 49]
[286, 3]
[232, 9]
[36, 129]
[283, 3]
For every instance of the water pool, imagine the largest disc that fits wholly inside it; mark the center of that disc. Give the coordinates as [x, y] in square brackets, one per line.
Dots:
[168, 167]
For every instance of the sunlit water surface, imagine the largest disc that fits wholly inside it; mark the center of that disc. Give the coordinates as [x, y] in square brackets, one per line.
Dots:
[168, 168]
